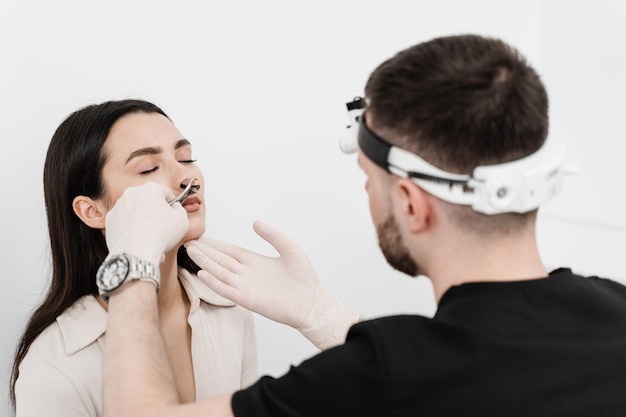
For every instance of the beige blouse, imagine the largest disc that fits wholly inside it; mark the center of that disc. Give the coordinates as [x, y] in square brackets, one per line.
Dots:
[61, 376]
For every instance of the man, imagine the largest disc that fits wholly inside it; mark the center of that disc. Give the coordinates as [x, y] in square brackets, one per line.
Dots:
[508, 338]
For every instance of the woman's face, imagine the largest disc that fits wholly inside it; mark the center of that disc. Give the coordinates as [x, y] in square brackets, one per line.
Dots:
[147, 147]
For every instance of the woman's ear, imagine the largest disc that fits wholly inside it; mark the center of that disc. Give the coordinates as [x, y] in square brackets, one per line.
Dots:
[91, 212]
[413, 205]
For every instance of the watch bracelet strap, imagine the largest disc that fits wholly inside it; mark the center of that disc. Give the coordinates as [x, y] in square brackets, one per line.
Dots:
[105, 296]
[141, 268]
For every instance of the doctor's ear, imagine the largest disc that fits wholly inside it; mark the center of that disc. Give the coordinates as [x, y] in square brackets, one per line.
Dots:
[414, 205]
[90, 211]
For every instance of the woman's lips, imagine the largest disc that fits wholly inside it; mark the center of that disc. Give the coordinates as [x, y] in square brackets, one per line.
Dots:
[191, 204]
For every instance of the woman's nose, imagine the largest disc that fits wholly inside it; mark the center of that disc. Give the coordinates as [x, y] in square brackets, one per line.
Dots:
[184, 183]
[189, 188]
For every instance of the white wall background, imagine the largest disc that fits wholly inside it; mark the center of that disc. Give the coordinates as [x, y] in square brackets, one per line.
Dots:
[259, 88]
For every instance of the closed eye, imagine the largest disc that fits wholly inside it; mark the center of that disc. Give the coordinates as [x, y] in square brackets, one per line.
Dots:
[150, 171]
[188, 161]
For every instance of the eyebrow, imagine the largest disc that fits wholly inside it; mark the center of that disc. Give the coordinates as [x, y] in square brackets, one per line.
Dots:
[151, 150]
[181, 143]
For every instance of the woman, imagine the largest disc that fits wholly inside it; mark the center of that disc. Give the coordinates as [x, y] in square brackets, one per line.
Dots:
[94, 155]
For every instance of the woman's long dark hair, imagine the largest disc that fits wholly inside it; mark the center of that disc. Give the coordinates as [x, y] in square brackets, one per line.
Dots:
[73, 167]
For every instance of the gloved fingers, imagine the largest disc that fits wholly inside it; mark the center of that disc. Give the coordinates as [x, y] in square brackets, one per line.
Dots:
[216, 269]
[238, 253]
[205, 241]
[143, 224]
[169, 196]
[198, 253]
[219, 286]
[274, 237]
[202, 254]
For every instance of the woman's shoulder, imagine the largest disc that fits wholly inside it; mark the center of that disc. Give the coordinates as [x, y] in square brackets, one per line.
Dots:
[78, 328]
[63, 368]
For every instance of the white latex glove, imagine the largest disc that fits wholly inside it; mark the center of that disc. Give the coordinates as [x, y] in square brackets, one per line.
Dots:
[284, 289]
[143, 224]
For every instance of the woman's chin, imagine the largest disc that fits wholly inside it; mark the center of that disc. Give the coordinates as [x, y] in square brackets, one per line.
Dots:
[195, 232]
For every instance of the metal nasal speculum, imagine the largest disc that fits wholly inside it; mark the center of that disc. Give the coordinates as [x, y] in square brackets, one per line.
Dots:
[189, 190]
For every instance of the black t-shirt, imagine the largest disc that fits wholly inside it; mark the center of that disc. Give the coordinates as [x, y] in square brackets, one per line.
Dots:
[547, 347]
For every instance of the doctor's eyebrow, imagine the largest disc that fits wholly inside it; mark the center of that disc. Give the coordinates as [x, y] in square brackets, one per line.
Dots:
[151, 150]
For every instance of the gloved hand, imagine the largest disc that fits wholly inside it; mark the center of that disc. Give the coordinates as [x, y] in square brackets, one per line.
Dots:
[284, 289]
[143, 224]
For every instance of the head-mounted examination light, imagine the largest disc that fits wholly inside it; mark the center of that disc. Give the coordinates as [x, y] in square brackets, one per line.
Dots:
[512, 187]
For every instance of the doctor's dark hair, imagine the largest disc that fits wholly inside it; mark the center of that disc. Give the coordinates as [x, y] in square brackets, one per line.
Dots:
[73, 167]
[460, 102]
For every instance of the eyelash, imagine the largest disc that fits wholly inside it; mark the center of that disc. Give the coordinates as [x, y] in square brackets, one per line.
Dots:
[150, 171]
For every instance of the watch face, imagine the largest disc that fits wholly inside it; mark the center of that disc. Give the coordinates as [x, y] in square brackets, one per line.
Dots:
[113, 273]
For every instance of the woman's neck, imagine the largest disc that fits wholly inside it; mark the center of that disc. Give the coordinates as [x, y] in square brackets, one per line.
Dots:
[171, 292]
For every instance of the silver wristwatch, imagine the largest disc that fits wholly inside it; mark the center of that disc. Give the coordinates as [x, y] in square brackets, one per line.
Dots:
[121, 268]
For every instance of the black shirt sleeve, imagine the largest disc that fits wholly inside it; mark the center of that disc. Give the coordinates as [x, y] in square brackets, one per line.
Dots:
[342, 381]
